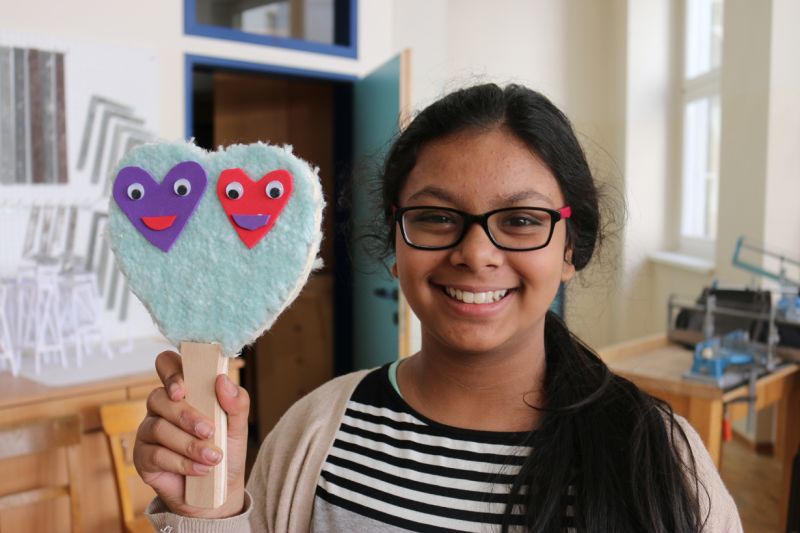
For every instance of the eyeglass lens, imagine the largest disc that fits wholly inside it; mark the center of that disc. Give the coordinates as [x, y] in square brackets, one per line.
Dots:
[513, 228]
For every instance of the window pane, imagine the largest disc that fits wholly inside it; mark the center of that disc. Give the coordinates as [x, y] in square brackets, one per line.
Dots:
[701, 131]
[310, 20]
[703, 36]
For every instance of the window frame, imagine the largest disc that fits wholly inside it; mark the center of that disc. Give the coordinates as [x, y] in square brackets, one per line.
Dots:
[345, 23]
[707, 85]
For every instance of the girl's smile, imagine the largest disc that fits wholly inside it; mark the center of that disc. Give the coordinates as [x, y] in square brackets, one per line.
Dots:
[475, 302]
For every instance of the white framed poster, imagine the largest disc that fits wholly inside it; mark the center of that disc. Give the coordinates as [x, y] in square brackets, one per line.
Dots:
[69, 110]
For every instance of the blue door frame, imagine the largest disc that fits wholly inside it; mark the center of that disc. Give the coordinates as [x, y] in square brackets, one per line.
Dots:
[345, 31]
[191, 61]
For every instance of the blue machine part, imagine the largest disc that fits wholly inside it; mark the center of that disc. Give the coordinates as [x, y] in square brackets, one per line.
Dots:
[713, 356]
[789, 307]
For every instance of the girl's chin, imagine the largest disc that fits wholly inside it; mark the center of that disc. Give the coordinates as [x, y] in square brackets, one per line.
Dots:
[485, 339]
[472, 342]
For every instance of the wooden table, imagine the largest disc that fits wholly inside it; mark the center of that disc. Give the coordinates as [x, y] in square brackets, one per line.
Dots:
[657, 366]
[22, 399]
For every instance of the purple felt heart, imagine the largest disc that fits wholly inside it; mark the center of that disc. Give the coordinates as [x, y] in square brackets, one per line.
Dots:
[160, 210]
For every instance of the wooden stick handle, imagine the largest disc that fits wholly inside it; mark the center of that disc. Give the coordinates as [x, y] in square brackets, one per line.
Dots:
[202, 363]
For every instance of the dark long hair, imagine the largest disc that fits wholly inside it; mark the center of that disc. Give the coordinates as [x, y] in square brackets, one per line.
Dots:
[614, 449]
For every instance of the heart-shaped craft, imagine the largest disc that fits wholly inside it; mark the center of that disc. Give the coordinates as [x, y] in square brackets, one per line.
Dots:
[192, 272]
[160, 210]
[253, 207]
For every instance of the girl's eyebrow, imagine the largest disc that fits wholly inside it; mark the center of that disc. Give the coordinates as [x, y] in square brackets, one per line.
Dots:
[442, 194]
[524, 195]
[436, 192]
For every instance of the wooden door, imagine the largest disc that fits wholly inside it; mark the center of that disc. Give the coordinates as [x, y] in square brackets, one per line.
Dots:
[296, 355]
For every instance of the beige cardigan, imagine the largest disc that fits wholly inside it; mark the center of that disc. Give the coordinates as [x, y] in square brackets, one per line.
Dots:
[284, 479]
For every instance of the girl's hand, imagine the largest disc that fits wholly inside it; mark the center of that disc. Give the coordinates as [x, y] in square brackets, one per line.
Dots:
[172, 441]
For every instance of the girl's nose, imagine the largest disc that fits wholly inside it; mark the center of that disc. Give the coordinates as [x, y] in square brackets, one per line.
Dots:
[476, 251]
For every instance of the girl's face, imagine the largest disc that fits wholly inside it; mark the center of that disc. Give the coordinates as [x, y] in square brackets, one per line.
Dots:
[476, 172]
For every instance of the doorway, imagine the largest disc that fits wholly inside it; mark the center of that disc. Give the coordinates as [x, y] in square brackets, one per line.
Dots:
[335, 122]
[311, 341]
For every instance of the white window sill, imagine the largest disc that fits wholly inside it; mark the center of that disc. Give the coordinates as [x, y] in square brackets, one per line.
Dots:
[683, 261]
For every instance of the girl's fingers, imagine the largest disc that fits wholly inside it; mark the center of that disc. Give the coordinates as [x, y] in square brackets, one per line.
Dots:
[153, 461]
[179, 413]
[173, 440]
[170, 371]
[235, 401]
[157, 431]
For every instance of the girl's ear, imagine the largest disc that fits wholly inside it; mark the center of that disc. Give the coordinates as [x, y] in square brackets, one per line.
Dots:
[394, 269]
[567, 269]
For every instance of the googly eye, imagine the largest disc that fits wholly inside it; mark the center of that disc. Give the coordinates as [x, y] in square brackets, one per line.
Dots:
[274, 189]
[182, 187]
[135, 191]
[234, 190]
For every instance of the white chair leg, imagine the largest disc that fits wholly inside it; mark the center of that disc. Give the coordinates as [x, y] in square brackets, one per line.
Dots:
[71, 320]
[7, 351]
[89, 304]
[49, 339]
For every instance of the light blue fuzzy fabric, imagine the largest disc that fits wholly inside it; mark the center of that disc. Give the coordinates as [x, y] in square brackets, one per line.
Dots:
[210, 287]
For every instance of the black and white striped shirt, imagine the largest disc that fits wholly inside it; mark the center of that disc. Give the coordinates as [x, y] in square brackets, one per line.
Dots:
[391, 469]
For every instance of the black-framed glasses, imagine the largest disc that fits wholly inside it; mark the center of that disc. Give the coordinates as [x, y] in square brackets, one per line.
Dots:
[510, 228]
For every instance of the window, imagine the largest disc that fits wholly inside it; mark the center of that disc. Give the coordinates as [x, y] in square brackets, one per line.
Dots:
[325, 26]
[701, 122]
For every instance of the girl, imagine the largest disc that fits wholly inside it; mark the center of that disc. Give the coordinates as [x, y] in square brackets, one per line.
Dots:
[504, 420]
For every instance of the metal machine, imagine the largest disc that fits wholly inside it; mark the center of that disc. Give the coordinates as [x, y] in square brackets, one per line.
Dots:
[739, 335]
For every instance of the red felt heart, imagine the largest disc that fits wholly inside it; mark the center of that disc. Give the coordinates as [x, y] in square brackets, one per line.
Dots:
[253, 207]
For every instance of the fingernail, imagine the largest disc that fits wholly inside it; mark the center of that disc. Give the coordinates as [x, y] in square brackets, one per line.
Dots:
[204, 429]
[212, 456]
[202, 469]
[174, 389]
[230, 387]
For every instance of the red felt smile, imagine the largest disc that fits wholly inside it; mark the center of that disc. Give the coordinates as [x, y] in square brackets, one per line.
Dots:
[158, 223]
[253, 207]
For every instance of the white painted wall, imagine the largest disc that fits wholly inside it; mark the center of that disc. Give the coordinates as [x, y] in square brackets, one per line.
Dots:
[743, 142]
[760, 163]
[508, 41]
[570, 51]
[594, 66]
[426, 37]
[782, 215]
[649, 115]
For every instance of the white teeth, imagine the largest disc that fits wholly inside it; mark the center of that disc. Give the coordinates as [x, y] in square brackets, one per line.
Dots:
[476, 297]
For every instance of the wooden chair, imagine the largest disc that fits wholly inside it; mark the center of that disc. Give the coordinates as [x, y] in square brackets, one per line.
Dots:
[120, 421]
[37, 436]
